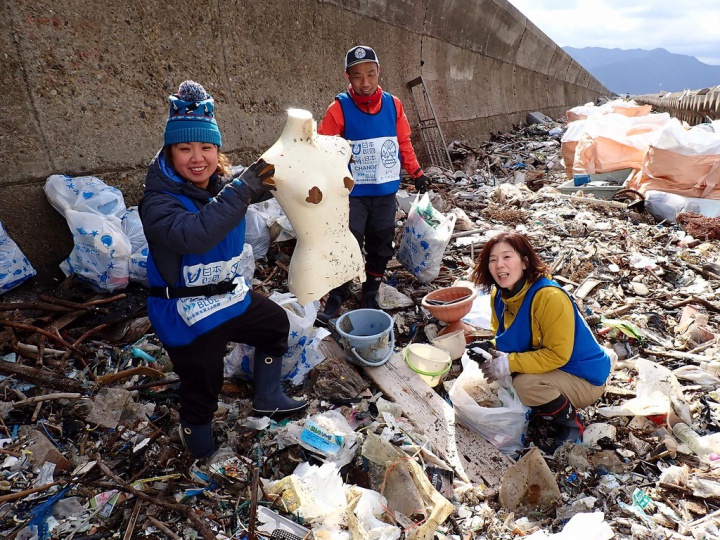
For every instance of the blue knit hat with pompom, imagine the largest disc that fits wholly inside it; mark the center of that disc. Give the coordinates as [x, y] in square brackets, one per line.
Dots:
[192, 116]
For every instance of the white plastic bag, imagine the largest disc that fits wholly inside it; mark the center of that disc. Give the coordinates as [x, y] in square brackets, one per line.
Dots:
[101, 254]
[657, 392]
[132, 227]
[257, 232]
[303, 352]
[276, 220]
[14, 266]
[84, 194]
[666, 206]
[326, 500]
[426, 234]
[586, 525]
[246, 263]
[503, 426]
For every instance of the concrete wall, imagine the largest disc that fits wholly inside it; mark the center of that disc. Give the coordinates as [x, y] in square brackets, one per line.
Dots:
[85, 82]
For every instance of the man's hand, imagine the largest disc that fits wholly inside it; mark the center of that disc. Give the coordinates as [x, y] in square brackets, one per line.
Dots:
[259, 178]
[498, 367]
[422, 183]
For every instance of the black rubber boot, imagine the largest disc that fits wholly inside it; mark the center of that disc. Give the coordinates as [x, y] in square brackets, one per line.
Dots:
[564, 415]
[370, 291]
[270, 400]
[197, 439]
[335, 300]
[331, 309]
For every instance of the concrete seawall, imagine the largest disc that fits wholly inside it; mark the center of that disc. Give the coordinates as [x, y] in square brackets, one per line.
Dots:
[85, 82]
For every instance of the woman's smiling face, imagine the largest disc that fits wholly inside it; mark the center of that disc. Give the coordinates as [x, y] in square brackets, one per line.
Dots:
[195, 162]
[506, 266]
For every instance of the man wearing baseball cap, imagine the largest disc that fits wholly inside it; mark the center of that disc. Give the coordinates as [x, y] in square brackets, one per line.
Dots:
[374, 123]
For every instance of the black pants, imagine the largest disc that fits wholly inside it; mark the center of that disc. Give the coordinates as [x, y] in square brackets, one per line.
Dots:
[372, 223]
[200, 364]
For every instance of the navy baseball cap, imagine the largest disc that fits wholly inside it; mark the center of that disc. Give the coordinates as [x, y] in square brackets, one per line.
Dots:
[360, 54]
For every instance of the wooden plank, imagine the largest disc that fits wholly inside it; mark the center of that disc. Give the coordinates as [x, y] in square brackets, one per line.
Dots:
[472, 457]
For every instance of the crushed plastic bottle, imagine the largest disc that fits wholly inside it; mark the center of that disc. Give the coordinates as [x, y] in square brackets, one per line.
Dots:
[692, 440]
[712, 367]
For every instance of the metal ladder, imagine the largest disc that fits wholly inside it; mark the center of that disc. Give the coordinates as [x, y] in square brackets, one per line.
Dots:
[428, 124]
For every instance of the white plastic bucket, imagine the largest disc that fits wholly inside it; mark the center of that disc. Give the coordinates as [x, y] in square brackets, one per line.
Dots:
[428, 361]
[367, 336]
[453, 343]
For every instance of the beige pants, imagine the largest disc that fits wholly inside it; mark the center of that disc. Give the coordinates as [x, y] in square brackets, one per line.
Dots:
[540, 388]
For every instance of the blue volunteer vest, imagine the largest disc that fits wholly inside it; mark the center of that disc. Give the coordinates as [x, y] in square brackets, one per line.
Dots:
[376, 152]
[178, 321]
[588, 360]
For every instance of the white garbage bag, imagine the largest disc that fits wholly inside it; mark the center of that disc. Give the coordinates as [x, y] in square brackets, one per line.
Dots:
[257, 232]
[132, 227]
[502, 424]
[426, 234]
[304, 339]
[101, 255]
[14, 266]
[84, 194]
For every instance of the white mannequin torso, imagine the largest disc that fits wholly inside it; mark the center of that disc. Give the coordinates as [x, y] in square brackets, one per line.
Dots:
[313, 185]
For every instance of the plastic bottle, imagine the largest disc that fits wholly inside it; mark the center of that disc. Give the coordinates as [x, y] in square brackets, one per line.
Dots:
[691, 439]
[712, 367]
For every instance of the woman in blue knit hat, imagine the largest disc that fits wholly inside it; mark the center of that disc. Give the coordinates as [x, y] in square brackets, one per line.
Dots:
[193, 215]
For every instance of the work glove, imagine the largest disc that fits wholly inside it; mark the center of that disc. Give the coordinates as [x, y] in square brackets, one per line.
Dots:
[496, 368]
[480, 350]
[259, 178]
[422, 183]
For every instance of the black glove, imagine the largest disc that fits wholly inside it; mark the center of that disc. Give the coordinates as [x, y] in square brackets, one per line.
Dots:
[422, 183]
[259, 178]
[480, 350]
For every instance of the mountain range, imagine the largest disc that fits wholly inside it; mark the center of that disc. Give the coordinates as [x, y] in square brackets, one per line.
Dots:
[637, 71]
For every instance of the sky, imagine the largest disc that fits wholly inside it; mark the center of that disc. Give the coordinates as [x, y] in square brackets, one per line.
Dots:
[682, 27]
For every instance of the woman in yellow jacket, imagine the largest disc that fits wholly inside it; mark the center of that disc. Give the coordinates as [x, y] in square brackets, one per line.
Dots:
[540, 337]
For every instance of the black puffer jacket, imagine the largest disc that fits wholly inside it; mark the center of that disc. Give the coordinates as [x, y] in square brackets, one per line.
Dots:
[171, 230]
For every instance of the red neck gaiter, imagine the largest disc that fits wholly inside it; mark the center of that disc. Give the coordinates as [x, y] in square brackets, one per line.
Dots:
[366, 102]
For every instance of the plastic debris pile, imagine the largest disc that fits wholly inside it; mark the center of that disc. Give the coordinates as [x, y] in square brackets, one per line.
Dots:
[88, 431]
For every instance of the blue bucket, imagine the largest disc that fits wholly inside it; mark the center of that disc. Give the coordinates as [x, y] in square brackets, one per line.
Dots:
[367, 336]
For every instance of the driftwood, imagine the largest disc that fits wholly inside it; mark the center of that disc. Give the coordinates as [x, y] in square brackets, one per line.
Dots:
[132, 522]
[595, 318]
[697, 358]
[78, 341]
[693, 300]
[79, 311]
[709, 274]
[42, 379]
[164, 528]
[25, 493]
[254, 493]
[47, 333]
[187, 511]
[34, 306]
[472, 458]
[161, 382]
[46, 397]
[140, 370]
[590, 200]
[71, 306]
[33, 350]
[466, 233]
